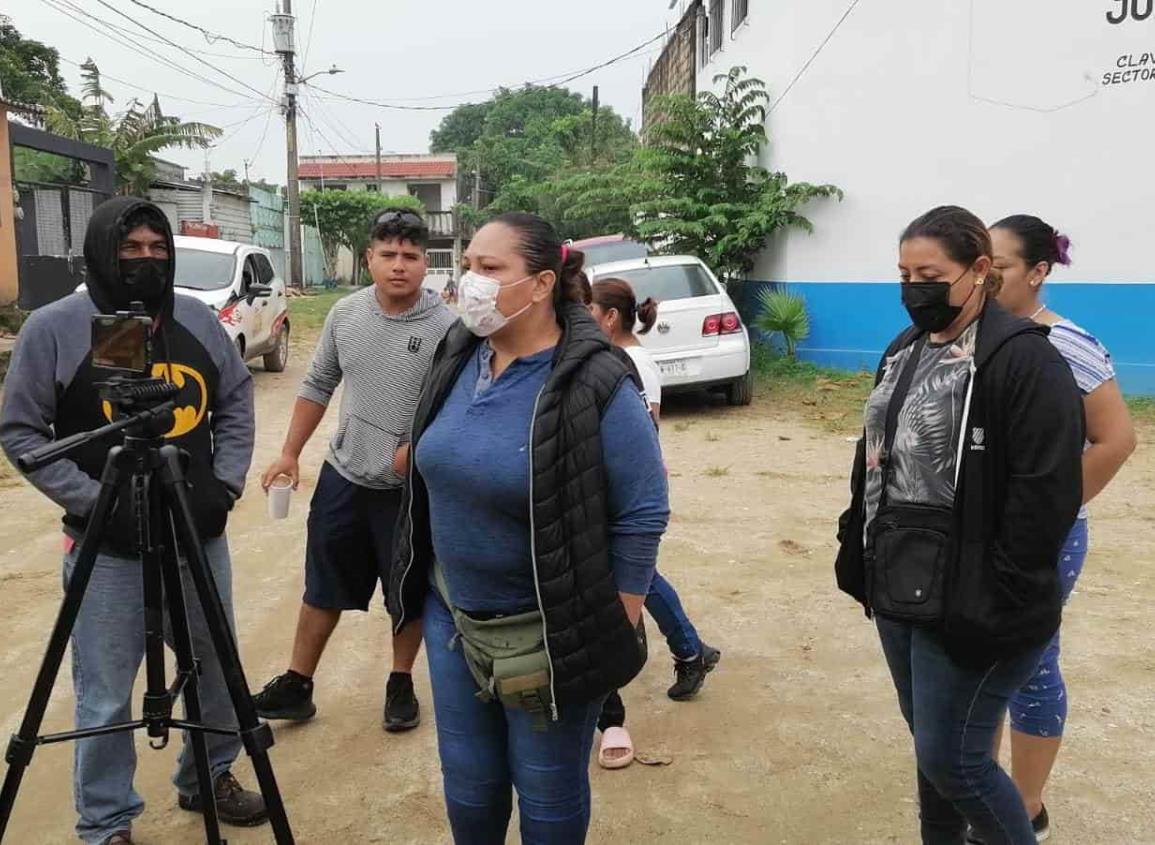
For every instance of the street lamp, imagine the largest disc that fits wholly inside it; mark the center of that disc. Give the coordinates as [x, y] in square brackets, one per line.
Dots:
[333, 71]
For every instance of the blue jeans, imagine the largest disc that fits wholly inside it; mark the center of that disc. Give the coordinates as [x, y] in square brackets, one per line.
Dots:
[953, 713]
[663, 604]
[1040, 707]
[107, 649]
[487, 751]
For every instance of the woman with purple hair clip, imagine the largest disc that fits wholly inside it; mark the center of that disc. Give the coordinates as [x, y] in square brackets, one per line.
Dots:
[1026, 251]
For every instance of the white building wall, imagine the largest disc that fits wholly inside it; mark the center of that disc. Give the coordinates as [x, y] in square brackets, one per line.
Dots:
[898, 110]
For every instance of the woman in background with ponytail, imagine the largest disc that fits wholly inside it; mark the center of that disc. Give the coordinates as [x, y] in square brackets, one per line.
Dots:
[616, 310]
[529, 534]
[1026, 251]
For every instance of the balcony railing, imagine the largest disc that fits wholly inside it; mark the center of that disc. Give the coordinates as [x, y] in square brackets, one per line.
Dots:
[447, 224]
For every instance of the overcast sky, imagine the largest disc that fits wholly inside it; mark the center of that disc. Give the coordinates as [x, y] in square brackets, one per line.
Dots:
[398, 51]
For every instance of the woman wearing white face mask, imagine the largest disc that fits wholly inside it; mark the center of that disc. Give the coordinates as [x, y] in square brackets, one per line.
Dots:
[538, 489]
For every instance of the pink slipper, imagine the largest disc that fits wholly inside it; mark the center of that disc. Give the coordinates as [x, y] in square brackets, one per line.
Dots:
[616, 739]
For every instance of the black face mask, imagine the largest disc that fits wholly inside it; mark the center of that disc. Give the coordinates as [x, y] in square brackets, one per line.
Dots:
[144, 280]
[928, 304]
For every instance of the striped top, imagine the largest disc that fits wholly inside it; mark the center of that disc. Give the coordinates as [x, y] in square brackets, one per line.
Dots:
[1089, 360]
[382, 360]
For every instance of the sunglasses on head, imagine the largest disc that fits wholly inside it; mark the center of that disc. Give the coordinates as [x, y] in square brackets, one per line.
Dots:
[407, 218]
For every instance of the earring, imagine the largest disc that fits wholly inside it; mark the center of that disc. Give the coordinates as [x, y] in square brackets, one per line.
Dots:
[981, 282]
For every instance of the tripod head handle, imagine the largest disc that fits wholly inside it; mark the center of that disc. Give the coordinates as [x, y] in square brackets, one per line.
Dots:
[50, 453]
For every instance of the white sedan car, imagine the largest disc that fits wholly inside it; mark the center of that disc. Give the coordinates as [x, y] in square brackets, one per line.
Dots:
[699, 341]
[239, 283]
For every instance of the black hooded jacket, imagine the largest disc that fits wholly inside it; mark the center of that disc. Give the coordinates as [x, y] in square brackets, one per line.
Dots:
[1018, 495]
[52, 390]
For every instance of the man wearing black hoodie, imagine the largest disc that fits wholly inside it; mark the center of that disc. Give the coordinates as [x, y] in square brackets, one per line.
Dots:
[52, 392]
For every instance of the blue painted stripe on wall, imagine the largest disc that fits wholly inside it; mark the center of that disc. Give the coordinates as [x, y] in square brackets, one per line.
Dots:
[852, 322]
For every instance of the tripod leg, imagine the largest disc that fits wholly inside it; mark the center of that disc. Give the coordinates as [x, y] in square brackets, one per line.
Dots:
[256, 736]
[163, 563]
[23, 744]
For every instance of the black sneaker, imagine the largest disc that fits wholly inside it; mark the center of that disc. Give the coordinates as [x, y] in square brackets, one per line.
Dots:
[402, 711]
[288, 696]
[689, 675]
[1040, 823]
[235, 805]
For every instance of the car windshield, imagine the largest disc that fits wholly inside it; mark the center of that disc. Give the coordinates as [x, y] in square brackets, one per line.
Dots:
[678, 281]
[199, 269]
[612, 251]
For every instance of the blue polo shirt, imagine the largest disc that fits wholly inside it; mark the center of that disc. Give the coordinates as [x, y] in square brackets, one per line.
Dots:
[474, 459]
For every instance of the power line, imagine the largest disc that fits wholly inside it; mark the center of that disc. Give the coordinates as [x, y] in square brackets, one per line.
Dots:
[562, 79]
[315, 131]
[104, 75]
[207, 64]
[210, 37]
[810, 61]
[264, 134]
[241, 124]
[339, 128]
[309, 37]
[120, 36]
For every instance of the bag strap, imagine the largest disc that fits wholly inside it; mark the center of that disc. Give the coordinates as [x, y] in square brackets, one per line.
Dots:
[897, 400]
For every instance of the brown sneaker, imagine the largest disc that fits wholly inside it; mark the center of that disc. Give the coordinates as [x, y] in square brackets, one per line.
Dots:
[235, 805]
[121, 837]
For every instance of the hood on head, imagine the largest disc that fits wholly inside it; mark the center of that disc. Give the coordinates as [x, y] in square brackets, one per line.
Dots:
[102, 253]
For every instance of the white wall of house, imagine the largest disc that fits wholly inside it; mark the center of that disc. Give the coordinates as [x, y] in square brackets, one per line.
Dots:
[1030, 107]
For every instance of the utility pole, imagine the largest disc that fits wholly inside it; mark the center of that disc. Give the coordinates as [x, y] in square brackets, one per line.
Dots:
[594, 133]
[380, 187]
[283, 44]
[246, 172]
[477, 189]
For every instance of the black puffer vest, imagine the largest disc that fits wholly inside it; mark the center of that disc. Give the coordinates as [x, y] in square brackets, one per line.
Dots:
[593, 648]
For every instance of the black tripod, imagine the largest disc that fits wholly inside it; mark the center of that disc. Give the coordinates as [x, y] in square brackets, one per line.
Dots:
[164, 521]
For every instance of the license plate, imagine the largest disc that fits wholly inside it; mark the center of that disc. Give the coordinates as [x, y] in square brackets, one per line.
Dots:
[674, 368]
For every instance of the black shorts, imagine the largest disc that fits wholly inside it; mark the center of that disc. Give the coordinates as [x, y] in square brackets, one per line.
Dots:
[350, 544]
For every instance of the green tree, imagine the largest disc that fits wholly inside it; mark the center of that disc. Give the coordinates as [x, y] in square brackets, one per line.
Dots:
[30, 71]
[525, 142]
[228, 180]
[134, 136]
[693, 187]
[343, 217]
[460, 129]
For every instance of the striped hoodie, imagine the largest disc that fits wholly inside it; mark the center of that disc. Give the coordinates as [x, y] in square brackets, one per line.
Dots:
[382, 361]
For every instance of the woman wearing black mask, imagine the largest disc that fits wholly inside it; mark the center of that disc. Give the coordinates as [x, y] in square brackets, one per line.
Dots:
[964, 485]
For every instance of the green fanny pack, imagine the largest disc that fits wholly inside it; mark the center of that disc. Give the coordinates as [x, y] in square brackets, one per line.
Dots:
[506, 656]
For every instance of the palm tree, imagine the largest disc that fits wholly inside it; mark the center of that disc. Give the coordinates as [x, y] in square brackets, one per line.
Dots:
[784, 312]
[134, 136]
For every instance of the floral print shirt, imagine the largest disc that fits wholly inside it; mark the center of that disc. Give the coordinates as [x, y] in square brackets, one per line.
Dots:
[926, 439]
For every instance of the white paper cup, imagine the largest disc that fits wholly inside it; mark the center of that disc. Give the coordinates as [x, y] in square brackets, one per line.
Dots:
[280, 494]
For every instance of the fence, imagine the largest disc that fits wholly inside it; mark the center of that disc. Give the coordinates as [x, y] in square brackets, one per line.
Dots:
[51, 239]
[54, 216]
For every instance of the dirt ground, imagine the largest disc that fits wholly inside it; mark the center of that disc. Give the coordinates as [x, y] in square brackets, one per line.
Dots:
[795, 739]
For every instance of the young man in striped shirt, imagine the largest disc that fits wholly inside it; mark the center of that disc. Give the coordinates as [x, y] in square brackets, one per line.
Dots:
[379, 342]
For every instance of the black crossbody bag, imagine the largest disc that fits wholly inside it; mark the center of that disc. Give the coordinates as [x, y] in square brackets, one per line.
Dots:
[908, 547]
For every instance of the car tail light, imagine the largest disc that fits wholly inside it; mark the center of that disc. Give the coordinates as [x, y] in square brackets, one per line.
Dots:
[731, 324]
[718, 324]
